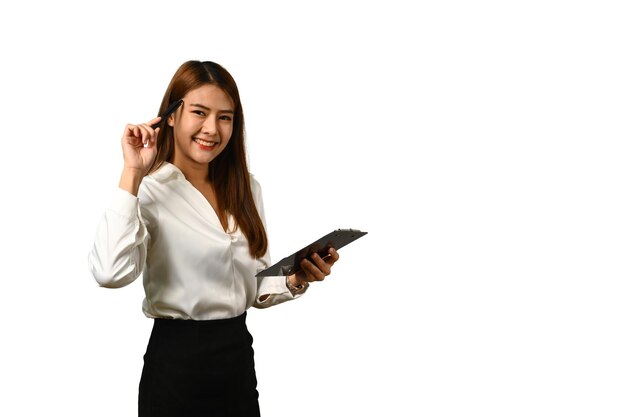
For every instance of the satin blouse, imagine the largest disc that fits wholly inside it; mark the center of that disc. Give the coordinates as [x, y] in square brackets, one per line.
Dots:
[192, 268]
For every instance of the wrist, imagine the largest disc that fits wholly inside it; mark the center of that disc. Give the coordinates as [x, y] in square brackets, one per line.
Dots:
[130, 180]
[293, 281]
[294, 285]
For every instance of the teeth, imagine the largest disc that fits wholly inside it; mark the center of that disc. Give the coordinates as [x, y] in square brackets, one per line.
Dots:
[204, 142]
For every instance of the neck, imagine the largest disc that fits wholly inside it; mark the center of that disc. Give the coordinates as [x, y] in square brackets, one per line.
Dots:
[194, 173]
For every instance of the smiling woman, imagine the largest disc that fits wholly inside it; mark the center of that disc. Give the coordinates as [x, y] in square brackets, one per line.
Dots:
[199, 133]
[189, 216]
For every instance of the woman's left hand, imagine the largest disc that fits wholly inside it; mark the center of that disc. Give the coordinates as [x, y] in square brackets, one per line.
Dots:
[316, 270]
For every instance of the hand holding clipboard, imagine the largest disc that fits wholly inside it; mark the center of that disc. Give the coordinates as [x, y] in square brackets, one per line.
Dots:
[292, 264]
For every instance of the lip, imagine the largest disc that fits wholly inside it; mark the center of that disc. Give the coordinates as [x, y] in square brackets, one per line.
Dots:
[204, 147]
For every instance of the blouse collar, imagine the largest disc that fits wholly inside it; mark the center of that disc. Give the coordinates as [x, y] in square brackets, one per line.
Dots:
[166, 172]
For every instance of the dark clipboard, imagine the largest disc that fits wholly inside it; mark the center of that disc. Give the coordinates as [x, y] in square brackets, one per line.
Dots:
[291, 264]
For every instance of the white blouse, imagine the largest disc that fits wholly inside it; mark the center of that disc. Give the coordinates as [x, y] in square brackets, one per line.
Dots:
[192, 269]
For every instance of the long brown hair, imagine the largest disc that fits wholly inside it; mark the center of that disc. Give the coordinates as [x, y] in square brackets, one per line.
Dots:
[228, 172]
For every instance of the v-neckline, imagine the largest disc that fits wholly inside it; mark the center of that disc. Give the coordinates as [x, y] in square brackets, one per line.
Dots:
[213, 210]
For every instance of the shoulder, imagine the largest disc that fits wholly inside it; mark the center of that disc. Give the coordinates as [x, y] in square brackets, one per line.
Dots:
[165, 173]
[160, 179]
[254, 183]
[255, 187]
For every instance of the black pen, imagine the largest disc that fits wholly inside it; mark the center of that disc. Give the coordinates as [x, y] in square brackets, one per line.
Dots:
[171, 109]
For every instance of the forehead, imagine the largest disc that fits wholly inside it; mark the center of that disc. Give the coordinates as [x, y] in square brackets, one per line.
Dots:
[210, 96]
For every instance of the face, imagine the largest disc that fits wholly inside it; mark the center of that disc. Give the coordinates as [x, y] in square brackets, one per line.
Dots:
[202, 126]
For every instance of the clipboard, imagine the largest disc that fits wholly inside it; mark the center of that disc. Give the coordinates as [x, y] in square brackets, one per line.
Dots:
[291, 264]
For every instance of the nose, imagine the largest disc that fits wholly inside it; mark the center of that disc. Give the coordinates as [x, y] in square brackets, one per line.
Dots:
[209, 126]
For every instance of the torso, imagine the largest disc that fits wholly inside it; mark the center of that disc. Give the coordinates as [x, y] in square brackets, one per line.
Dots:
[194, 270]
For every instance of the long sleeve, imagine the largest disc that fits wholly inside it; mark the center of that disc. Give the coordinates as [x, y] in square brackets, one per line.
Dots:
[272, 290]
[119, 252]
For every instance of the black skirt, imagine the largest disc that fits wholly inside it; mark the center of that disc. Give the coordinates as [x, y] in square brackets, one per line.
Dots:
[199, 368]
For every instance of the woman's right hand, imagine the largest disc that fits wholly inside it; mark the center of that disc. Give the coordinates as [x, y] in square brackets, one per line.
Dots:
[139, 146]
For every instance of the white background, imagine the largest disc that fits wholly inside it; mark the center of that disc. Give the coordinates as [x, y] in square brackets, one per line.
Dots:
[481, 145]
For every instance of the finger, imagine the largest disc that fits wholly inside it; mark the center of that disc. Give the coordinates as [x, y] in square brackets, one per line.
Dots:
[151, 140]
[129, 132]
[333, 256]
[154, 123]
[131, 135]
[312, 272]
[146, 133]
[136, 132]
[142, 134]
[321, 264]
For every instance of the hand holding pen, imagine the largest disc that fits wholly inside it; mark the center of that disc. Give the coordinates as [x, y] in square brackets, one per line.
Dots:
[139, 149]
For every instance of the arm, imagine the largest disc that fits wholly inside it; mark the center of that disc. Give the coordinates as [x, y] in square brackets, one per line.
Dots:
[278, 289]
[270, 290]
[120, 247]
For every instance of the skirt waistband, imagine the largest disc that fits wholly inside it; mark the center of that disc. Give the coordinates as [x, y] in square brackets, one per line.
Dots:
[232, 321]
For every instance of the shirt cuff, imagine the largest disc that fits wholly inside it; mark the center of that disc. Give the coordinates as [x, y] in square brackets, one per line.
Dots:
[273, 290]
[274, 285]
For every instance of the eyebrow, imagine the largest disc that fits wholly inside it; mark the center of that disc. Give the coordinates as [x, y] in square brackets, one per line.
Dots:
[208, 108]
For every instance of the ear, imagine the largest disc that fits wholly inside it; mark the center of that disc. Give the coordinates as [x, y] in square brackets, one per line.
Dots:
[170, 120]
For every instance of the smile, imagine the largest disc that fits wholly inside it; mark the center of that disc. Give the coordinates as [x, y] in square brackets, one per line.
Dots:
[206, 143]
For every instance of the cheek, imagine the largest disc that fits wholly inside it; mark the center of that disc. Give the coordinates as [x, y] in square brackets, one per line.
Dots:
[226, 132]
[187, 128]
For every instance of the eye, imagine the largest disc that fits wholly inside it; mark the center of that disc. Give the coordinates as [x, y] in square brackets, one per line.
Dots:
[226, 117]
[198, 112]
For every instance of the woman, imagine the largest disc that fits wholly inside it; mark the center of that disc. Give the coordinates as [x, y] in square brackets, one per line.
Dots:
[189, 216]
